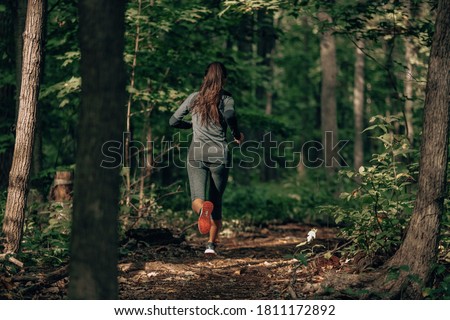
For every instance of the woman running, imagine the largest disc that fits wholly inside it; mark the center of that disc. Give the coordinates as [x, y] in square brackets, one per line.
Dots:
[212, 110]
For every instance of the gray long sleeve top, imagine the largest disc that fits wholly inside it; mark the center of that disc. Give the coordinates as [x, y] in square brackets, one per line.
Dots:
[209, 141]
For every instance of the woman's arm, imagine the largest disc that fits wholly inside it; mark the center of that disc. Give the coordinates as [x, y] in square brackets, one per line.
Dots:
[176, 120]
[230, 117]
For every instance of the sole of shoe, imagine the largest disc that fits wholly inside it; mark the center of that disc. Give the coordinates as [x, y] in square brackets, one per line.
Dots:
[204, 220]
[210, 253]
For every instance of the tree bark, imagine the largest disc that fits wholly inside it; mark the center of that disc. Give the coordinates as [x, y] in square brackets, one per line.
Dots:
[26, 121]
[419, 249]
[358, 105]
[328, 94]
[93, 264]
[36, 164]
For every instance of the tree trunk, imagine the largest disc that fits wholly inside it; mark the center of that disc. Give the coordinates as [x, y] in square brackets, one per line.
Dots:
[62, 186]
[419, 249]
[21, 12]
[148, 161]
[26, 121]
[358, 105]
[328, 95]
[36, 164]
[93, 265]
[244, 34]
[392, 97]
[408, 82]
[128, 156]
[266, 46]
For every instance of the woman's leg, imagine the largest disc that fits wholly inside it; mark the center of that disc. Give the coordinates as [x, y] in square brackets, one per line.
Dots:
[198, 174]
[218, 182]
[216, 226]
[197, 204]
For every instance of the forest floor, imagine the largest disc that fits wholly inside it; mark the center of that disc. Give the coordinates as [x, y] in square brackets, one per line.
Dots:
[249, 265]
[263, 263]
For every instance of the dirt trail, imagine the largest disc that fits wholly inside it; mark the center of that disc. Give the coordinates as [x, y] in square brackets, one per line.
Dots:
[257, 265]
[250, 265]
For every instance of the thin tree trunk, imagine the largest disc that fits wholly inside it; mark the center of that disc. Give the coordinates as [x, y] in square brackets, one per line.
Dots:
[419, 249]
[358, 105]
[18, 34]
[26, 121]
[148, 160]
[328, 95]
[130, 98]
[244, 35]
[266, 47]
[391, 82]
[408, 83]
[94, 238]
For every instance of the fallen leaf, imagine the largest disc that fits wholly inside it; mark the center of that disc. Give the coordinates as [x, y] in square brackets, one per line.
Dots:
[152, 274]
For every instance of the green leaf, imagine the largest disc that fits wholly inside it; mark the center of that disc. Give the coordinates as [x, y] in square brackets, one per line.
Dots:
[302, 259]
[223, 11]
[339, 219]
[370, 128]
[350, 174]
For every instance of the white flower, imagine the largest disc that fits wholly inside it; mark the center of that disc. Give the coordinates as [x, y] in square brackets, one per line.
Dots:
[311, 235]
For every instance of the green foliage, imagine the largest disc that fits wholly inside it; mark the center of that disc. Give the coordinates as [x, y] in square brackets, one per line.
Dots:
[441, 286]
[291, 199]
[379, 208]
[302, 259]
[145, 212]
[251, 5]
[7, 139]
[259, 204]
[46, 233]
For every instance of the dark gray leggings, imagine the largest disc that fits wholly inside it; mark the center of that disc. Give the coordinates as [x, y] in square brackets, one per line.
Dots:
[198, 172]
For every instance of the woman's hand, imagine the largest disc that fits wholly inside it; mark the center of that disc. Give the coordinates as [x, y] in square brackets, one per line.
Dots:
[240, 140]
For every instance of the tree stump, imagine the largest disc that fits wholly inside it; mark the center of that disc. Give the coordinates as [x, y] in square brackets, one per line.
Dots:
[62, 186]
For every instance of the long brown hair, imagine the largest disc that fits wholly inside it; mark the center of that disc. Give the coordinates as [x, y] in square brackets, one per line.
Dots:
[208, 98]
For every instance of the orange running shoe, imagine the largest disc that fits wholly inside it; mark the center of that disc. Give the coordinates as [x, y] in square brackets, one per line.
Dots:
[204, 219]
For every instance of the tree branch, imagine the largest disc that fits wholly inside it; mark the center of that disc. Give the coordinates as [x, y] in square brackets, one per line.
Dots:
[8, 257]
